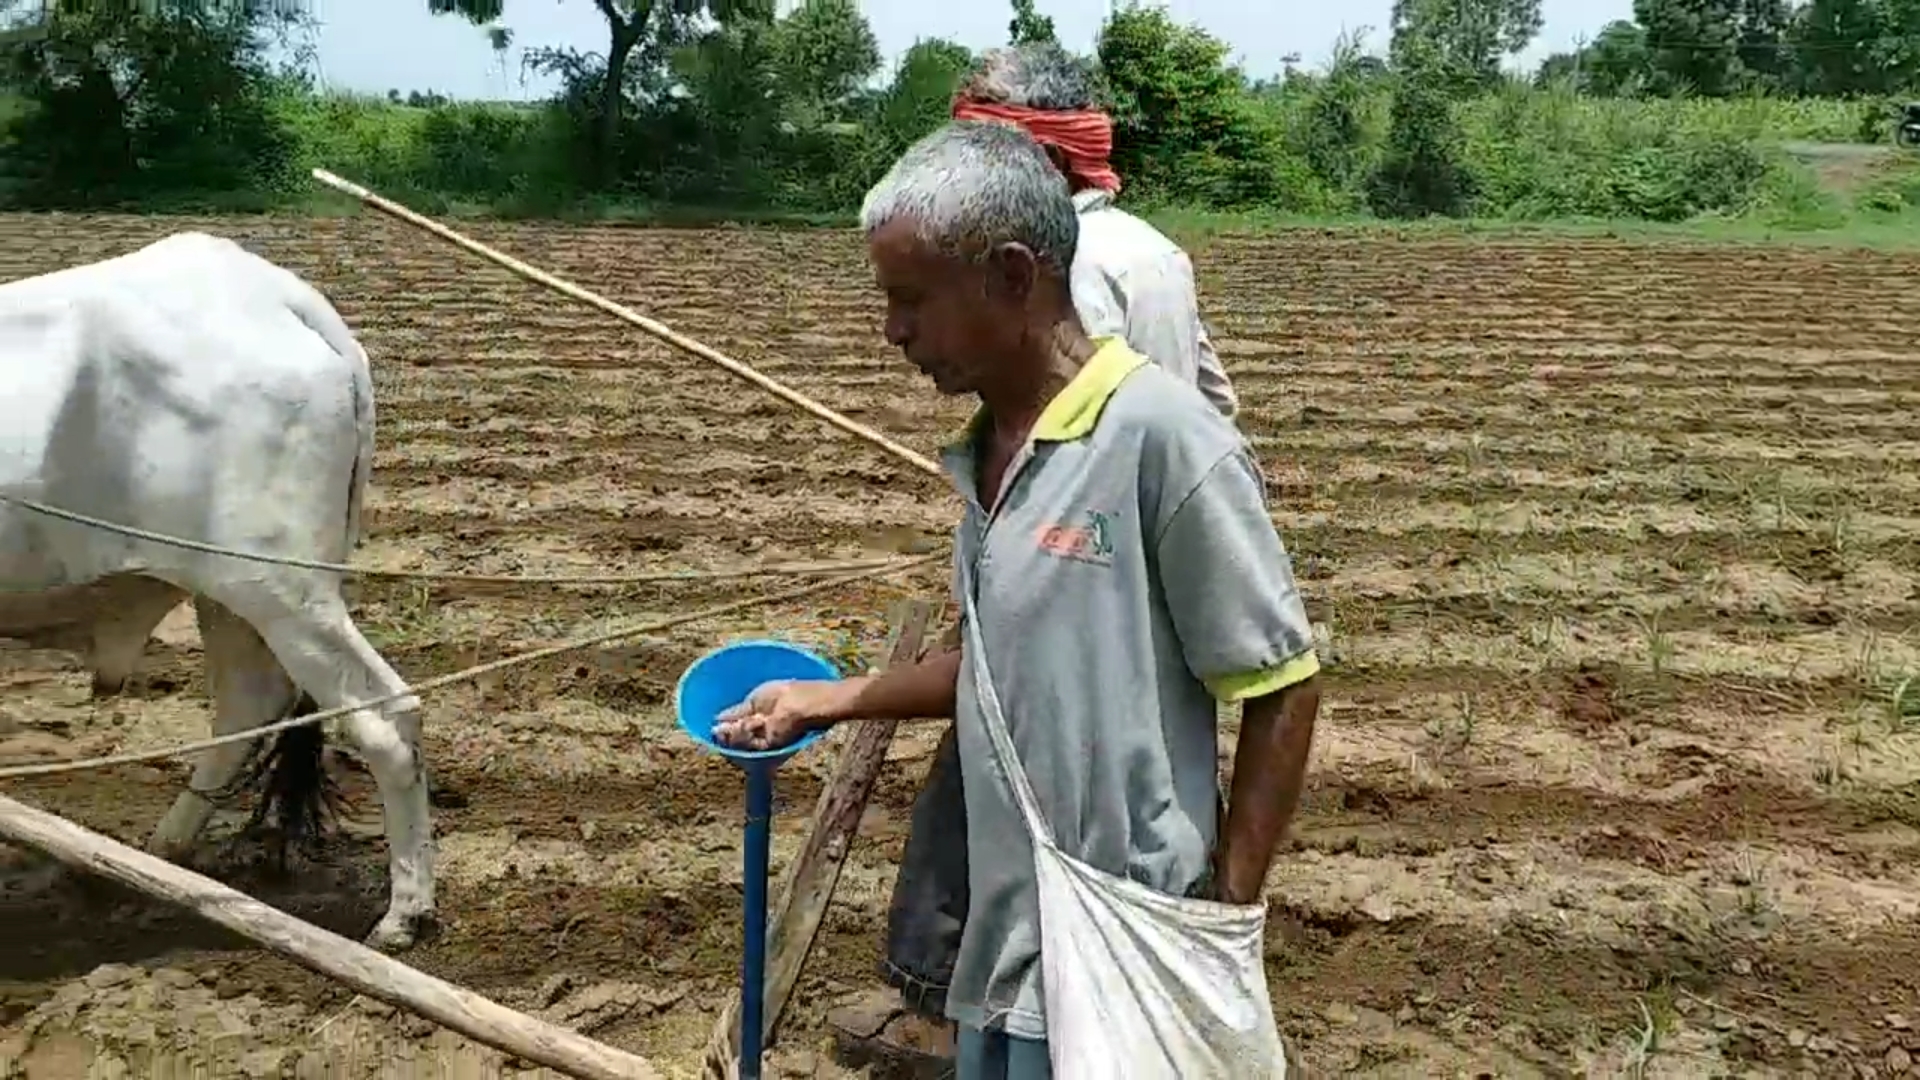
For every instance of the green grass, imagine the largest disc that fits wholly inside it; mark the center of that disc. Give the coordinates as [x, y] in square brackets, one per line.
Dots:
[1867, 230]
[1539, 154]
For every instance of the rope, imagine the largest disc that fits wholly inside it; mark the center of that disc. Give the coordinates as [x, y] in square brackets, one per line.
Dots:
[768, 570]
[464, 675]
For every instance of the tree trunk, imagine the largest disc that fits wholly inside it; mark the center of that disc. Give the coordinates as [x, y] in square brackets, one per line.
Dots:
[626, 35]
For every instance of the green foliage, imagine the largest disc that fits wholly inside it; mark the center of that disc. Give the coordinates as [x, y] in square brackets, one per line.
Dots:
[1028, 26]
[824, 53]
[1185, 130]
[480, 12]
[1332, 138]
[1464, 40]
[643, 33]
[921, 96]
[1722, 48]
[1617, 64]
[1553, 154]
[117, 106]
[1897, 191]
[1420, 174]
[750, 115]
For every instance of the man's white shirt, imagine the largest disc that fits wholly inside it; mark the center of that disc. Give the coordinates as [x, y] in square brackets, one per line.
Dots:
[1131, 281]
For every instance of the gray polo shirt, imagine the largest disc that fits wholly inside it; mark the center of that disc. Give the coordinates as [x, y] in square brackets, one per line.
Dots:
[1129, 579]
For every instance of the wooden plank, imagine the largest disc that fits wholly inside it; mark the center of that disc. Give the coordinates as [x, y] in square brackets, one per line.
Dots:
[329, 954]
[807, 886]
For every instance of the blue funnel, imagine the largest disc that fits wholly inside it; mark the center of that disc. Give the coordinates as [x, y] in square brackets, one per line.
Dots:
[712, 684]
[724, 677]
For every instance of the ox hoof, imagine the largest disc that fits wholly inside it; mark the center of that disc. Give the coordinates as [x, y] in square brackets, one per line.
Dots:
[170, 850]
[396, 933]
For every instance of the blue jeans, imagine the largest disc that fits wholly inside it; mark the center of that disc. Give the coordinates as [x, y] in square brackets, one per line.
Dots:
[995, 1055]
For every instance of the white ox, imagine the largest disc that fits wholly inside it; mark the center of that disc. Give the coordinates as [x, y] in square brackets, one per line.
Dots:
[196, 390]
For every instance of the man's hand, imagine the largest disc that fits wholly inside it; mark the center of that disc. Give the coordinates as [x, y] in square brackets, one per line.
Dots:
[779, 713]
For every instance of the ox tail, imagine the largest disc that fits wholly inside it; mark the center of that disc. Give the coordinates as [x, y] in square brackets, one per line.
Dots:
[362, 471]
[296, 793]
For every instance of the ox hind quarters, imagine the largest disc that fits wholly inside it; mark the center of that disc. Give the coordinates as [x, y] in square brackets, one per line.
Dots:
[110, 622]
[296, 794]
[258, 677]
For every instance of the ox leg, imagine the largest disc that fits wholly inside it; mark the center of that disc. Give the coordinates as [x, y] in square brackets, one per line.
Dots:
[325, 653]
[249, 689]
[128, 608]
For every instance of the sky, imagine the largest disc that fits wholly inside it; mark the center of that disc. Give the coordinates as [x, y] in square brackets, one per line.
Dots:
[371, 46]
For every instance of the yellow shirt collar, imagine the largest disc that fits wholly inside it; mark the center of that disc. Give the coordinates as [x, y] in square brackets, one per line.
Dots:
[1075, 410]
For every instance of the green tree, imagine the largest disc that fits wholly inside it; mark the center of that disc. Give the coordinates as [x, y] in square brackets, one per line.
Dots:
[1467, 38]
[1615, 64]
[1762, 28]
[632, 26]
[1420, 173]
[1186, 127]
[1029, 27]
[1693, 46]
[1847, 47]
[920, 98]
[733, 96]
[161, 99]
[1332, 140]
[1900, 49]
[1618, 63]
[825, 52]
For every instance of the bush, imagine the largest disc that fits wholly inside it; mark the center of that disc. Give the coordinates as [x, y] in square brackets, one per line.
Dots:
[1421, 174]
[206, 121]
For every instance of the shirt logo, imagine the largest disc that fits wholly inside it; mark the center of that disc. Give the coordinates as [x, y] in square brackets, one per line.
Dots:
[1088, 542]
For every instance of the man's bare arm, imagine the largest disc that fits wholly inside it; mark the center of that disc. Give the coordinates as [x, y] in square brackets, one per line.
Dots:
[921, 690]
[1269, 769]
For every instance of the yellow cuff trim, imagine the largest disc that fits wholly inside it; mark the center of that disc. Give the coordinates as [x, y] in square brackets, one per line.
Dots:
[1235, 688]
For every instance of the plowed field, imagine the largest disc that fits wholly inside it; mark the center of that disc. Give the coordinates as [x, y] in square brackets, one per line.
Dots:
[1614, 543]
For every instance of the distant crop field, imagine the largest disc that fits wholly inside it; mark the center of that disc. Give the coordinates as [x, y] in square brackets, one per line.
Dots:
[1614, 544]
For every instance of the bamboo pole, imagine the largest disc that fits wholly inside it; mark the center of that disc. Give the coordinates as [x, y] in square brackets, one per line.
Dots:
[329, 954]
[807, 887]
[626, 314]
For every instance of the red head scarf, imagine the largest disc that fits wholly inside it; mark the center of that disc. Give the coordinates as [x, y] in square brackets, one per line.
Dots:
[1084, 136]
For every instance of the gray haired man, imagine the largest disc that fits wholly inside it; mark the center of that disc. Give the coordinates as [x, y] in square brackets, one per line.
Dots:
[1123, 577]
[1129, 280]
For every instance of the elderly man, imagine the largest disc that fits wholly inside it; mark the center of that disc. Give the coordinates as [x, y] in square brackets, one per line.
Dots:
[1129, 281]
[1121, 577]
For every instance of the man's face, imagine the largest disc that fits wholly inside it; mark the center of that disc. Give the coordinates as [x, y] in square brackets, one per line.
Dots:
[956, 319]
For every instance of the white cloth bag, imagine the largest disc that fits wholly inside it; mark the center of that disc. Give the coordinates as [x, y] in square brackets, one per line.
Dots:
[1138, 984]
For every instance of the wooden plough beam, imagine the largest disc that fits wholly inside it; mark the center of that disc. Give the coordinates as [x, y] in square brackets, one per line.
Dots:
[328, 954]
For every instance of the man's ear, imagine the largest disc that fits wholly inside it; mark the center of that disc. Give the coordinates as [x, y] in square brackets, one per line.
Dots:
[1013, 271]
[1059, 159]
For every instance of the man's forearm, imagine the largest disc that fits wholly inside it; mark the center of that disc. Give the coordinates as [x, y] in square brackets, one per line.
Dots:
[1269, 769]
[920, 690]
